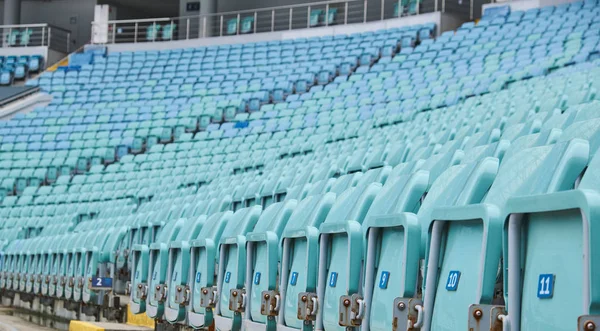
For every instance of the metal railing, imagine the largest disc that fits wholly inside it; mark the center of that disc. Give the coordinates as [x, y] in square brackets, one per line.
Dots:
[33, 35]
[300, 16]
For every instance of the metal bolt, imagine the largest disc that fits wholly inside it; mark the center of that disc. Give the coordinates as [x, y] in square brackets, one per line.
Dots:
[178, 288]
[267, 297]
[157, 288]
[401, 305]
[234, 293]
[205, 292]
[304, 298]
[477, 313]
[589, 325]
[139, 286]
[346, 303]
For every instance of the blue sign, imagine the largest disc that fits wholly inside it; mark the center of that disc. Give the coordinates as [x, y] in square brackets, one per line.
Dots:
[383, 281]
[333, 279]
[257, 278]
[545, 288]
[294, 278]
[100, 282]
[227, 276]
[453, 279]
[198, 277]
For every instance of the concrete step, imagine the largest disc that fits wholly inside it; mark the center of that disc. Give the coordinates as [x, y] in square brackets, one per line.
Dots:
[99, 326]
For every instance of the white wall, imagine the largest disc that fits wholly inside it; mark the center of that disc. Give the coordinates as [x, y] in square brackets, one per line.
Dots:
[25, 105]
[39, 50]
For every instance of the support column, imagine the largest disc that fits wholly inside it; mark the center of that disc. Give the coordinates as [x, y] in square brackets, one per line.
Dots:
[212, 22]
[12, 12]
[199, 26]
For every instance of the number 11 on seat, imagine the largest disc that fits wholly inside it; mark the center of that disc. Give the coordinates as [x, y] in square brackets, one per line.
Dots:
[545, 288]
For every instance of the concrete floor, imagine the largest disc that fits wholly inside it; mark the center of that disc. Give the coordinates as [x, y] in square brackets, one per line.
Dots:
[8, 322]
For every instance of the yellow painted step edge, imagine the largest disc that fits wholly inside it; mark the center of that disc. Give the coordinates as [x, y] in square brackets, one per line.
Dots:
[83, 326]
[139, 319]
[61, 63]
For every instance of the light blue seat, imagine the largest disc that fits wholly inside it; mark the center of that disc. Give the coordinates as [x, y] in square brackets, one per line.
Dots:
[42, 265]
[315, 17]
[553, 224]
[74, 263]
[144, 272]
[85, 262]
[205, 252]
[152, 32]
[18, 266]
[388, 283]
[247, 25]
[20, 72]
[341, 252]
[159, 253]
[6, 78]
[168, 30]
[300, 250]
[57, 265]
[232, 269]
[451, 276]
[232, 26]
[35, 63]
[181, 278]
[99, 262]
[32, 265]
[262, 263]
[11, 258]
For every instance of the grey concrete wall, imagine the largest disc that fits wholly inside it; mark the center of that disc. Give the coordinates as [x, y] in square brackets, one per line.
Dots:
[73, 15]
[450, 22]
[54, 56]
[206, 27]
[133, 9]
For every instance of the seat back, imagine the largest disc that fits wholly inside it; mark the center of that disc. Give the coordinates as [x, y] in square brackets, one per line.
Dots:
[478, 229]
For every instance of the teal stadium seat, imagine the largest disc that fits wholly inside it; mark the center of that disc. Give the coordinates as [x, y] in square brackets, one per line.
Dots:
[217, 186]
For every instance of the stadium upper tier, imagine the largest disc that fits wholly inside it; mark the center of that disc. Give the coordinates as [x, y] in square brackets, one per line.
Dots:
[380, 179]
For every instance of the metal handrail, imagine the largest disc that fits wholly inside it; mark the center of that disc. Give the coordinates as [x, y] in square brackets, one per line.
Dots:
[268, 19]
[37, 25]
[41, 34]
[19, 26]
[54, 27]
[244, 11]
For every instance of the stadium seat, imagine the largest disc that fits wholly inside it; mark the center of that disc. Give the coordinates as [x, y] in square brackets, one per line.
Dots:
[404, 153]
[453, 281]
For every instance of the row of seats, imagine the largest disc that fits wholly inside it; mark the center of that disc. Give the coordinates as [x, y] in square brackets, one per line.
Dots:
[94, 135]
[379, 190]
[19, 68]
[21, 38]
[430, 185]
